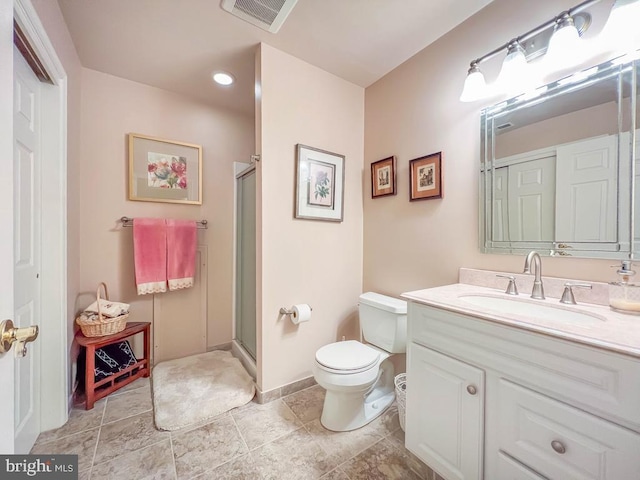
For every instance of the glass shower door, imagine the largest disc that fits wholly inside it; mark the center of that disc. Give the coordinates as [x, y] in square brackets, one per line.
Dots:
[246, 262]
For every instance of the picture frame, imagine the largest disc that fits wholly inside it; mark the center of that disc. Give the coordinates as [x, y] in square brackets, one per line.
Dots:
[319, 186]
[164, 171]
[383, 177]
[425, 177]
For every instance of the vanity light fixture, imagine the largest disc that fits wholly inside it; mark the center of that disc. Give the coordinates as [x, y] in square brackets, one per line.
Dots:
[223, 78]
[558, 39]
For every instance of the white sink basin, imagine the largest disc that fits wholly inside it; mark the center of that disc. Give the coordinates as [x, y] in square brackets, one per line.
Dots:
[531, 309]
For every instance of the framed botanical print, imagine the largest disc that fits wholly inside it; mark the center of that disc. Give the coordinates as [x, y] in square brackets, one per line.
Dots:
[319, 184]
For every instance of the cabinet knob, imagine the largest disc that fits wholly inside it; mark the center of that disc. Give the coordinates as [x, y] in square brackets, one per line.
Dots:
[472, 389]
[558, 447]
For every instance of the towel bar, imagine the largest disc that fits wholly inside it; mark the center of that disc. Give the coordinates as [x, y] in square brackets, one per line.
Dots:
[128, 222]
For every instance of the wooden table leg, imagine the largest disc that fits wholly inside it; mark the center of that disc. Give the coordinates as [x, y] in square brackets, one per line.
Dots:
[89, 378]
[147, 350]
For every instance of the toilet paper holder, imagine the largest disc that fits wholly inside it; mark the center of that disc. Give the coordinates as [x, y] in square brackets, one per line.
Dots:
[286, 311]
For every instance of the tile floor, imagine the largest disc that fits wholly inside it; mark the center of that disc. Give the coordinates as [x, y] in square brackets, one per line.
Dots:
[279, 440]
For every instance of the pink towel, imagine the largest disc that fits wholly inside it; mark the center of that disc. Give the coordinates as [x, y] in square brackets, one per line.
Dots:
[181, 253]
[150, 254]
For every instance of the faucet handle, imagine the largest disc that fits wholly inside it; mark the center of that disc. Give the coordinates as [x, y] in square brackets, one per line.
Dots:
[567, 295]
[512, 289]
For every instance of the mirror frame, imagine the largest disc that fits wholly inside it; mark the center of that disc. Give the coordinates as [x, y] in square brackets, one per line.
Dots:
[617, 67]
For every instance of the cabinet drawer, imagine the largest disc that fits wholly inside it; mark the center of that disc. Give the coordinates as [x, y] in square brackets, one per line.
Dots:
[561, 442]
[510, 469]
[601, 382]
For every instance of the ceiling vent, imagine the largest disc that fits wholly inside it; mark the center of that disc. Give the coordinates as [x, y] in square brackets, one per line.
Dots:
[266, 14]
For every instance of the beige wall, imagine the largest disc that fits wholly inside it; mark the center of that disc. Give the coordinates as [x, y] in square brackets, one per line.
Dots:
[415, 110]
[305, 261]
[113, 107]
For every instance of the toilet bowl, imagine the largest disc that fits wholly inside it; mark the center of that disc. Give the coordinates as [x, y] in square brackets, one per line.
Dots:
[358, 377]
[359, 383]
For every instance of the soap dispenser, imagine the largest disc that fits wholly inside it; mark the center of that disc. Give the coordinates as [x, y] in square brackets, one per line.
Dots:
[624, 295]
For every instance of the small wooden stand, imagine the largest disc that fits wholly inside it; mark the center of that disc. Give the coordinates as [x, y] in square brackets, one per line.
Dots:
[93, 389]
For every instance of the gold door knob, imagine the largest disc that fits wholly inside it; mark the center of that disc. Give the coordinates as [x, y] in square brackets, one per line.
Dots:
[10, 335]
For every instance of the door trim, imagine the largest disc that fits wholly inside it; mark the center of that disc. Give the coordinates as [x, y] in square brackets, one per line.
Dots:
[56, 331]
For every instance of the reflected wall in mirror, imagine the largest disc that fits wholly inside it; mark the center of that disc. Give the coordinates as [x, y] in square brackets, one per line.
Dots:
[556, 173]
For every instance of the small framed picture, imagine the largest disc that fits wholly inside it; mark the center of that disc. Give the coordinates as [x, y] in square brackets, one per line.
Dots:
[164, 171]
[425, 177]
[383, 177]
[319, 184]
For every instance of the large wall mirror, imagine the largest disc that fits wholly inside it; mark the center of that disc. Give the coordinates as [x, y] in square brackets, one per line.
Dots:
[557, 169]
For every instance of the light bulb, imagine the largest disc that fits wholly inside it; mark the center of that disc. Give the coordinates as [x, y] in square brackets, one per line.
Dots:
[475, 86]
[516, 75]
[565, 48]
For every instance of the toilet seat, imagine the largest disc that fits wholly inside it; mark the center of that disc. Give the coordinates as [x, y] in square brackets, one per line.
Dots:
[347, 357]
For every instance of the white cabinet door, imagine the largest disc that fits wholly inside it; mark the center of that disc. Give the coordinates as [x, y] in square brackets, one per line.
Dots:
[586, 190]
[445, 409]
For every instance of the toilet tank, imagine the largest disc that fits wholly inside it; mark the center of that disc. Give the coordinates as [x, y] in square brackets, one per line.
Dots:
[384, 321]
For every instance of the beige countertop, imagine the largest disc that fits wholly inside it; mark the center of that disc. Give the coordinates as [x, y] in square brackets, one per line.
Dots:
[606, 329]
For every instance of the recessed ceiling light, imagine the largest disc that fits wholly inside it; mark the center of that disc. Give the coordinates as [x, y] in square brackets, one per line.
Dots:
[223, 78]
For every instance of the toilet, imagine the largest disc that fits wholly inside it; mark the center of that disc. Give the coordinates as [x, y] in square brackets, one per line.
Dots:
[359, 376]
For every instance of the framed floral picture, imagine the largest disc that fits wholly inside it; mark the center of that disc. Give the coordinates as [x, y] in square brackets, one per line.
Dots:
[425, 177]
[383, 177]
[319, 184]
[164, 170]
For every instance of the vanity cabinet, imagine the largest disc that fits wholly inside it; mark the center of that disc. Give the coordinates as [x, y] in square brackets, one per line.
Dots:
[491, 401]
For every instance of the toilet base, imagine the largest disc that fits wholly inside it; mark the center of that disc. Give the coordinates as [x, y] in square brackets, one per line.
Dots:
[343, 412]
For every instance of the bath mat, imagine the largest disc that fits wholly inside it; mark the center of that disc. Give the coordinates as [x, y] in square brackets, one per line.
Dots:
[193, 389]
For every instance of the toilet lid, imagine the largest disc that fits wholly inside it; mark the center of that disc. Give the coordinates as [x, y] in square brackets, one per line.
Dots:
[347, 356]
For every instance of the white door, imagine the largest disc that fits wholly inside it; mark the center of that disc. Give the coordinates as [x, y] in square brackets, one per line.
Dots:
[586, 182]
[26, 254]
[500, 205]
[6, 220]
[445, 400]
[531, 200]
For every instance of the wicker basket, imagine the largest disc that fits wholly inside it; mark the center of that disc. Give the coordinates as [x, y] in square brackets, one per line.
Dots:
[104, 325]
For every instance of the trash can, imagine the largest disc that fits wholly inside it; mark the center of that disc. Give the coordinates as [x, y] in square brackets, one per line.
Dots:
[400, 382]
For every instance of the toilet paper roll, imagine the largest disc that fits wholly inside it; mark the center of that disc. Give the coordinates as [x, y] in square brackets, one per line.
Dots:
[301, 313]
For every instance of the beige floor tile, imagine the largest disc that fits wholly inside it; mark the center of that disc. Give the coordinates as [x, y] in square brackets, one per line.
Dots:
[127, 404]
[295, 456]
[336, 474]
[264, 423]
[82, 444]
[384, 460]
[79, 421]
[127, 435]
[306, 404]
[241, 468]
[141, 382]
[154, 462]
[343, 445]
[205, 448]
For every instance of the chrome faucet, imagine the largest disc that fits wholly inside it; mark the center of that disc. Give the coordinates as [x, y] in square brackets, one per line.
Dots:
[538, 289]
